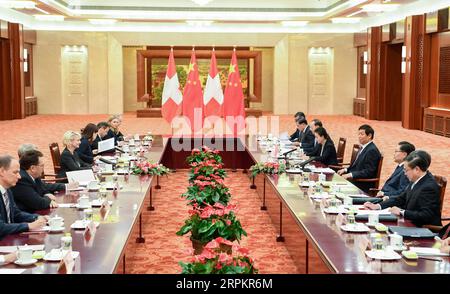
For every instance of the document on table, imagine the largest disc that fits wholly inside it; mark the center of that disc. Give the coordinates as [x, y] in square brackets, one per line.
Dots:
[9, 249]
[375, 212]
[83, 177]
[425, 251]
[105, 145]
[11, 271]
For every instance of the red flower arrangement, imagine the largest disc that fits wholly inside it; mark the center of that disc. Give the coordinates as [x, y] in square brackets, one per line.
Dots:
[270, 168]
[148, 168]
[213, 261]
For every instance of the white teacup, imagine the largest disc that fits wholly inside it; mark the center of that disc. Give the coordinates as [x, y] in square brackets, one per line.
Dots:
[88, 214]
[93, 185]
[348, 201]
[136, 137]
[373, 219]
[55, 222]
[396, 240]
[83, 201]
[25, 254]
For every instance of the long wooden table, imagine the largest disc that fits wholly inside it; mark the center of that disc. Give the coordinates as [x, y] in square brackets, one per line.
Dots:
[301, 223]
[106, 251]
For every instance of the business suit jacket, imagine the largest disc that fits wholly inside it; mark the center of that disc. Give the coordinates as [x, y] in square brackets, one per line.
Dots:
[328, 156]
[71, 162]
[29, 194]
[307, 140]
[365, 166]
[295, 136]
[19, 219]
[85, 151]
[421, 204]
[117, 136]
[396, 183]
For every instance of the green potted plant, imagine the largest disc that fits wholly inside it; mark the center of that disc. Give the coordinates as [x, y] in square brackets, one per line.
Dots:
[148, 168]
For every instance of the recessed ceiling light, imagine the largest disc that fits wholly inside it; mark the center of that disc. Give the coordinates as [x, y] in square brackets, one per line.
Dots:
[379, 7]
[102, 21]
[294, 23]
[49, 17]
[199, 23]
[18, 4]
[201, 2]
[345, 19]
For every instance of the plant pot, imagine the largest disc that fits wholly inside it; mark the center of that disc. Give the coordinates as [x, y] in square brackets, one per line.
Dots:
[198, 247]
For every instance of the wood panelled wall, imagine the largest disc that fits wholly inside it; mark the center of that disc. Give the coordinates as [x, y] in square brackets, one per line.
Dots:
[424, 87]
[15, 84]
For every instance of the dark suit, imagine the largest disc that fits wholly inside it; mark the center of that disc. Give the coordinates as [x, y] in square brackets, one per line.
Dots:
[365, 166]
[19, 219]
[295, 136]
[71, 162]
[94, 144]
[396, 183]
[421, 204]
[85, 151]
[29, 194]
[307, 140]
[328, 155]
[117, 136]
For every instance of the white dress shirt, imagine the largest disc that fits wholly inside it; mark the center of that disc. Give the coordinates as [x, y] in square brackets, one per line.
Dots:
[2, 260]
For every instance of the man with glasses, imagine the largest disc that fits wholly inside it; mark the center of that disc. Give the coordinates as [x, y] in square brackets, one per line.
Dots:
[420, 202]
[30, 193]
[398, 181]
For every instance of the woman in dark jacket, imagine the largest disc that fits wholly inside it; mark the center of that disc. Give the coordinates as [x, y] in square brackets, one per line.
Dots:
[325, 152]
[88, 135]
[70, 161]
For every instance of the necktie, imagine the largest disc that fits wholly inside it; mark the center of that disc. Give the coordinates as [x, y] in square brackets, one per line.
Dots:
[7, 206]
[359, 153]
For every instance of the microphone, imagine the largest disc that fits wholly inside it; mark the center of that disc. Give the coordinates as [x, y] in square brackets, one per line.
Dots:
[287, 152]
[119, 149]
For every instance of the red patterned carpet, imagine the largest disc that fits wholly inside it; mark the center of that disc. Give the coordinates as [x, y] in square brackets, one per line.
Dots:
[163, 249]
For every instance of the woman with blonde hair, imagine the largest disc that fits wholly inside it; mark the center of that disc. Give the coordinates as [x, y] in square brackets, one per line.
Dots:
[70, 161]
[114, 123]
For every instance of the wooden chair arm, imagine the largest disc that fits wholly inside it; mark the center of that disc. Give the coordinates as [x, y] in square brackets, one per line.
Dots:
[434, 229]
[366, 180]
[373, 192]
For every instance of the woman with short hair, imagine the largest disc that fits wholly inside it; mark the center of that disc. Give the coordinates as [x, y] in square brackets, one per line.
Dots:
[70, 161]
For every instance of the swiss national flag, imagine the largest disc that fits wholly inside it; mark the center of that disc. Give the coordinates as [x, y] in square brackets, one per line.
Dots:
[171, 96]
[213, 95]
[233, 105]
[192, 96]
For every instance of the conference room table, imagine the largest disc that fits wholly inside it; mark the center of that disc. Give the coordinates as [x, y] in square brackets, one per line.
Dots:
[105, 251]
[314, 240]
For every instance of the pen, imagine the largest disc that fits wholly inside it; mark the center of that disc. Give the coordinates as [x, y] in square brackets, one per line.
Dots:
[430, 258]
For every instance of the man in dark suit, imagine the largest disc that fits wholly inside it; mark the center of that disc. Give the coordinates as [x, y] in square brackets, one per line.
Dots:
[398, 181]
[12, 219]
[366, 164]
[307, 138]
[420, 202]
[295, 137]
[315, 123]
[102, 131]
[30, 194]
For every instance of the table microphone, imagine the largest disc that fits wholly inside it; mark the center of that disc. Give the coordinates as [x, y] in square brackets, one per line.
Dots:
[287, 152]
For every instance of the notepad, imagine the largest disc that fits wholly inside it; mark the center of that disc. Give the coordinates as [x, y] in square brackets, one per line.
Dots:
[426, 251]
[105, 145]
[83, 177]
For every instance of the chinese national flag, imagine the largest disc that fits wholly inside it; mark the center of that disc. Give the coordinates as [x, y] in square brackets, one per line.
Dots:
[213, 95]
[193, 97]
[233, 105]
[171, 96]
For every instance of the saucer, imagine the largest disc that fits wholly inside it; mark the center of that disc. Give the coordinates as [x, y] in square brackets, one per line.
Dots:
[56, 230]
[83, 207]
[355, 228]
[383, 254]
[403, 248]
[371, 224]
[25, 262]
[81, 225]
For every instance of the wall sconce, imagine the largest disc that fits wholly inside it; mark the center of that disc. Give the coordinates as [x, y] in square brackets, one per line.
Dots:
[25, 60]
[366, 60]
[403, 59]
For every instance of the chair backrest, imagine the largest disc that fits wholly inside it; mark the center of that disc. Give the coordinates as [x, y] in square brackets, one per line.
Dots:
[341, 149]
[380, 166]
[355, 150]
[442, 182]
[56, 156]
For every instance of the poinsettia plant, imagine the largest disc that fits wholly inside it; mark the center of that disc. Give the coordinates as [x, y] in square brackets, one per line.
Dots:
[207, 193]
[269, 168]
[213, 261]
[212, 221]
[206, 153]
[148, 168]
